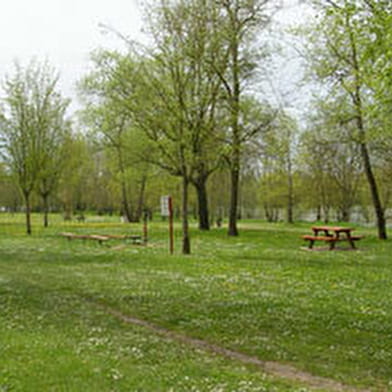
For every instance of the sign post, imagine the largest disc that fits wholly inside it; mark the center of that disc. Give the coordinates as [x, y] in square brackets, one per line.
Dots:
[167, 210]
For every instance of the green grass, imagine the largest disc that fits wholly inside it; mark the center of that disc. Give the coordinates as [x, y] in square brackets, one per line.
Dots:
[326, 313]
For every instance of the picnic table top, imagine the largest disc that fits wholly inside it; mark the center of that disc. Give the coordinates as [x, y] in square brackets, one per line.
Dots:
[336, 229]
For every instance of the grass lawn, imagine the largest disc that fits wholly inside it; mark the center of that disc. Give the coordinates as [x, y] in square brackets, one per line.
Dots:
[328, 314]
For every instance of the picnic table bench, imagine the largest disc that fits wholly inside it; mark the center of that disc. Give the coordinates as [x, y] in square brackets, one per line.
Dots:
[332, 235]
[94, 237]
[136, 239]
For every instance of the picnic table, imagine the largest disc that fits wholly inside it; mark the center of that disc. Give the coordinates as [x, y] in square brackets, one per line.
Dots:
[331, 235]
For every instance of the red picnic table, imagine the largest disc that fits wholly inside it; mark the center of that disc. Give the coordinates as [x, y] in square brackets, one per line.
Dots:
[331, 235]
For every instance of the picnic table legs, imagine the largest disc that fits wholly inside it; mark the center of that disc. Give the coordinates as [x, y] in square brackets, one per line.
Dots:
[331, 235]
[311, 243]
[351, 241]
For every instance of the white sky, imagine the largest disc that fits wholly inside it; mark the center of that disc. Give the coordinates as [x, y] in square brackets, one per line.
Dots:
[62, 31]
[66, 31]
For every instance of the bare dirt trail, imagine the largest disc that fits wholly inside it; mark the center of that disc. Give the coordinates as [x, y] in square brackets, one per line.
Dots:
[276, 369]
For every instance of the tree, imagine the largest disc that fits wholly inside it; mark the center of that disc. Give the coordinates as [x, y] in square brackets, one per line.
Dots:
[172, 96]
[9, 192]
[189, 50]
[105, 92]
[75, 188]
[53, 153]
[111, 127]
[31, 117]
[278, 148]
[331, 160]
[340, 56]
[241, 21]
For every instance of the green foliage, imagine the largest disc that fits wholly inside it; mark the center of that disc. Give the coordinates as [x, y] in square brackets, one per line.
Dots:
[32, 129]
[330, 159]
[277, 180]
[342, 58]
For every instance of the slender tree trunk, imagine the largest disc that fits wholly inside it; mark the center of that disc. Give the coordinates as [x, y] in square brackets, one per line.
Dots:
[380, 214]
[345, 206]
[236, 140]
[290, 198]
[202, 199]
[357, 101]
[124, 197]
[26, 195]
[125, 206]
[140, 204]
[186, 243]
[378, 208]
[326, 213]
[67, 211]
[267, 213]
[345, 214]
[235, 180]
[45, 199]
[318, 213]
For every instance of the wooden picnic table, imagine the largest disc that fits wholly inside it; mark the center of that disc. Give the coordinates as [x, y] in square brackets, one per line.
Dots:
[331, 235]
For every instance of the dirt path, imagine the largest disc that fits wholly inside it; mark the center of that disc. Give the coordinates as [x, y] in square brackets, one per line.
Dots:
[273, 368]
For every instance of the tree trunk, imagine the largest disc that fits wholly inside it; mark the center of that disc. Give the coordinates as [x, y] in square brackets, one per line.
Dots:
[236, 140]
[345, 208]
[345, 217]
[124, 198]
[235, 177]
[124, 201]
[318, 213]
[45, 199]
[290, 198]
[67, 211]
[202, 200]
[379, 211]
[267, 213]
[140, 204]
[26, 195]
[186, 243]
[357, 101]
[380, 214]
[326, 210]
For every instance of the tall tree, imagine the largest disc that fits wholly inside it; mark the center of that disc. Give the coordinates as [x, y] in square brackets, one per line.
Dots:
[188, 50]
[278, 149]
[112, 126]
[331, 159]
[241, 21]
[53, 153]
[30, 116]
[340, 56]
[173, 98]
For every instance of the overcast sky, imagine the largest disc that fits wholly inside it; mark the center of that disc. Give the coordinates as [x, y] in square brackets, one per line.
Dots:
[62, 31]
[65, 31]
